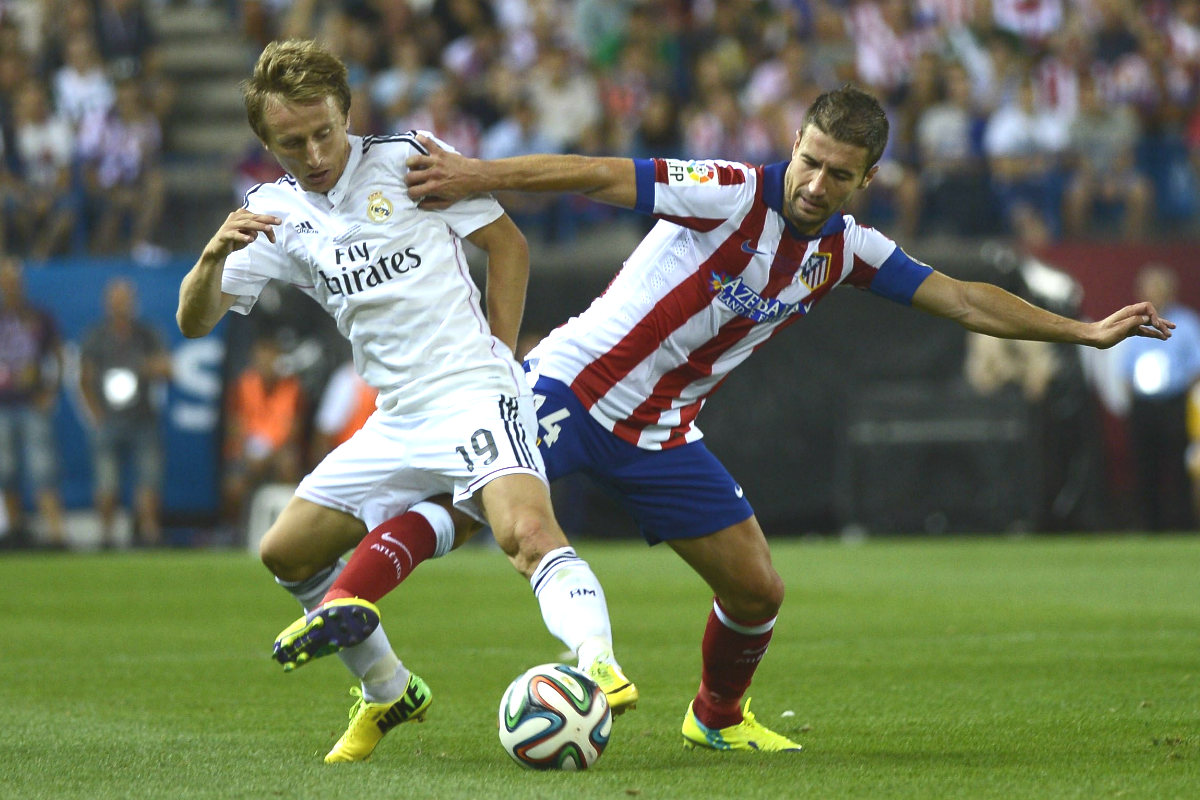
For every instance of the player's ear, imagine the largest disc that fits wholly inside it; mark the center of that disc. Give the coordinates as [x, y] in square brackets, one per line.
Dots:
[866, 181]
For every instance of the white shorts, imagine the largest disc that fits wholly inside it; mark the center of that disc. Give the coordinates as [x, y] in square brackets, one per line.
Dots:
[394, 462]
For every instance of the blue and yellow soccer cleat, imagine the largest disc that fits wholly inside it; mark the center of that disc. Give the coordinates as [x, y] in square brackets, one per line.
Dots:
[325, 630]
[370, 721]
[621, 692]
[748, 734]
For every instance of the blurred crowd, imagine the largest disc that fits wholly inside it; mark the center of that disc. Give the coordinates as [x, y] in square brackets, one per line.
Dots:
[83, 104]
[1071, 117]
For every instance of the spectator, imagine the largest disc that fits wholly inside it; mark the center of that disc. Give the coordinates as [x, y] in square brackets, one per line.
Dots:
[1104, 174]
[719, 125]
[1023, 144]
[566, 97]
[63, 20]
[30, 371]
[263, 429]
[123, 362]
[1032, 20]
[1065, 473]
[403, 86]
[889, 40]
[42, 201]
[81, 85]
[658, 127]
[445, 119]
[120, 151]
[345, 405]
[129, 46]
[1160, 379]
[952, 173]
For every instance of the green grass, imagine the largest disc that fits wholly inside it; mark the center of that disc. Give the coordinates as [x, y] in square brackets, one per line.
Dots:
[974, 668]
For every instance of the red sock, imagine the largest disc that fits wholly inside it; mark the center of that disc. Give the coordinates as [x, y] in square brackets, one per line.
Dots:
[730, 658]
[384, 558]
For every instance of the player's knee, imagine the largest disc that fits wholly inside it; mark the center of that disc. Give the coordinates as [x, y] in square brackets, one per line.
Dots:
[283, 561]
[531, 535]
[757, 599]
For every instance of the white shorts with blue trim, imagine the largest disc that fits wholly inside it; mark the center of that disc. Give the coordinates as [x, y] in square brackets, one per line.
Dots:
[394, 462]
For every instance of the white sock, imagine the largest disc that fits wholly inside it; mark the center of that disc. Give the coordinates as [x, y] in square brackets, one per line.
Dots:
[382, 674]
[443, 526]
[372, 660]
[572, 603]
[309, 592]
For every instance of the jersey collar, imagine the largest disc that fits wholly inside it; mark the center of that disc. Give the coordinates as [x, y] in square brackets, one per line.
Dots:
[773, 197]
[338, 192]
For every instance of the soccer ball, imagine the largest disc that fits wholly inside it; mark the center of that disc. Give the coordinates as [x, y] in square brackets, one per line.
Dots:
[554, 717]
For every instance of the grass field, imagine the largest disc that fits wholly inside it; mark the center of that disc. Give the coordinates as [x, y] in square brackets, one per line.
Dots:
[975, 668]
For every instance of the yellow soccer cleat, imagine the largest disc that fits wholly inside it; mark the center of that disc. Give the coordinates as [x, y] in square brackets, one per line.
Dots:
[370, 721]
[325, 630]
[749, 734]
[621, 692]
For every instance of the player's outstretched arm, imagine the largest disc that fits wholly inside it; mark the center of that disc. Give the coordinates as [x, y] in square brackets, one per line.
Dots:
[440, 178]
[985, 308]
[201, 301]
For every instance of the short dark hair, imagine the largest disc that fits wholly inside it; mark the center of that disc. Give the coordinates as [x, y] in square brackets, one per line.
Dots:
[852, 116]
[294, 71]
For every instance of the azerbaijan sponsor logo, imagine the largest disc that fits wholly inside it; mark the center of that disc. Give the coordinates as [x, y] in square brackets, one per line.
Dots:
[744, 301]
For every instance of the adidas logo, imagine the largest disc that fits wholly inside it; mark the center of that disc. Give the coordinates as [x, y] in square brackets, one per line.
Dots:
[304, 226]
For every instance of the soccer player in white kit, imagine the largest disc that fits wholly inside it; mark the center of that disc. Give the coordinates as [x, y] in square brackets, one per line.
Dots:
[454, 414]
[739, 253]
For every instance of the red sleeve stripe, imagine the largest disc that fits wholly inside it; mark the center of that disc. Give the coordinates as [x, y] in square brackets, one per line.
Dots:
[702, 224]
[862, 273]
[730, 176]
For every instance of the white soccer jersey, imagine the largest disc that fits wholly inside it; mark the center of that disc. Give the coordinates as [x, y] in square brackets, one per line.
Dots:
[393, 277]
[721, 273]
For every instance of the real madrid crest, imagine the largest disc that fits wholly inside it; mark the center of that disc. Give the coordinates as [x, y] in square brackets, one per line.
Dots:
[379, 208]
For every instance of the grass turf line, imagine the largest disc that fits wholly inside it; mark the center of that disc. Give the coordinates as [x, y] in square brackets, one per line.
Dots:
[956, 668]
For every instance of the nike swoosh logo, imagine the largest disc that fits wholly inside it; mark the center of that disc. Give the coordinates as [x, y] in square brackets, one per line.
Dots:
[738, 490]
[746, 248]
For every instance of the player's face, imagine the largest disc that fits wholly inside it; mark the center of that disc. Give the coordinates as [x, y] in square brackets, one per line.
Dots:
[821, 177]
[309, 141]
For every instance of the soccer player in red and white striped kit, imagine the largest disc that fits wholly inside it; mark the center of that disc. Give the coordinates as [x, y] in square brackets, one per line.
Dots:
[739, 253]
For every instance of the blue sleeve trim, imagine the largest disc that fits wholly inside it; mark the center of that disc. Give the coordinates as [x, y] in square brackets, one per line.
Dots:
[899, 276]
[644, 176]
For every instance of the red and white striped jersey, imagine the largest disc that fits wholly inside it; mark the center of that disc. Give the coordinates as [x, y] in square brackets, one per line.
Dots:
[720, 274]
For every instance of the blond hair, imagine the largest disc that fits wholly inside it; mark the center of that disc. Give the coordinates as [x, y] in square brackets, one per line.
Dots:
[294, 71]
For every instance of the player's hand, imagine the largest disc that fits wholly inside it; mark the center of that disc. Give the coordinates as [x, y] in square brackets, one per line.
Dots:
[240, 229]
[437, 180]
[1139, 319]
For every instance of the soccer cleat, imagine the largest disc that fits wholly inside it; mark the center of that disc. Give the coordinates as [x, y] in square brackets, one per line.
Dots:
[325, 630]
[621, 692]
[749, 734]
[370, 721]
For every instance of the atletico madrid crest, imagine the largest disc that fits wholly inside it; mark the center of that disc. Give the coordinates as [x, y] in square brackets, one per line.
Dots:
[815, 271]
